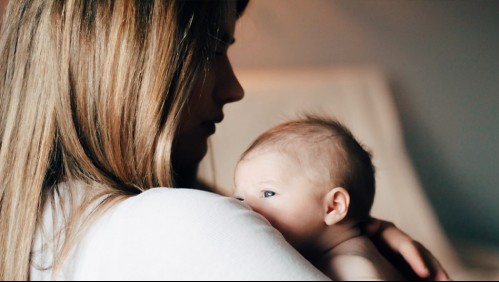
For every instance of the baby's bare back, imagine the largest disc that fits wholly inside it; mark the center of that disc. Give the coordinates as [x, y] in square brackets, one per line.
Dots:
[358, 259]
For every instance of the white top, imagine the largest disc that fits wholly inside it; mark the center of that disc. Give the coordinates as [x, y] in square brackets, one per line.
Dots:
[176, 234]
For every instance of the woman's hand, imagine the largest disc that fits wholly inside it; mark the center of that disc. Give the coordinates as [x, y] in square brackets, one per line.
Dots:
[409, 256]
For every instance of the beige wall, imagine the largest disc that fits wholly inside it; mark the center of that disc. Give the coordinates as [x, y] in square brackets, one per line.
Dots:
[3, 3]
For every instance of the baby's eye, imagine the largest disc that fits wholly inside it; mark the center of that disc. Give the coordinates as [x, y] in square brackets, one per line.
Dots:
[240, 199]
[268, 194]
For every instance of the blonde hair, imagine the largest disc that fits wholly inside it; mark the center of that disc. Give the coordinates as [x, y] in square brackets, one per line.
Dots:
[330, 146]
[92, 92]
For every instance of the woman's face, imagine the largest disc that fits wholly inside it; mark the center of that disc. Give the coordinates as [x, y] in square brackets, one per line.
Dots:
[212, 90]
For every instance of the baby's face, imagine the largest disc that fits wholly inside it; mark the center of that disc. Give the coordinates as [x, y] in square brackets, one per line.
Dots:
[280, 189]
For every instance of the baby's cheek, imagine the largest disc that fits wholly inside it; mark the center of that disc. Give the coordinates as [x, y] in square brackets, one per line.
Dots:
[300, 225]
[287, 223]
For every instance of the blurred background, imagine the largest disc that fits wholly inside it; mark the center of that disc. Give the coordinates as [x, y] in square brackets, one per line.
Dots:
[442, 61]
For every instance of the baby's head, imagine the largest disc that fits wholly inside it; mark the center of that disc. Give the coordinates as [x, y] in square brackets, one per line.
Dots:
[305, 176]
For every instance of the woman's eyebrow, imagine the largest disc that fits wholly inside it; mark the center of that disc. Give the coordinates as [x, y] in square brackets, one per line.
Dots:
[228, 39]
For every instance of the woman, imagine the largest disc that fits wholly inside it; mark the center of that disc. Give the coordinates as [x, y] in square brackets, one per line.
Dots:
[103, 100]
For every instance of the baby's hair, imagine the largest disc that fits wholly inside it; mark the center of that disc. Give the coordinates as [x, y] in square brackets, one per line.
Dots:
[348, 162]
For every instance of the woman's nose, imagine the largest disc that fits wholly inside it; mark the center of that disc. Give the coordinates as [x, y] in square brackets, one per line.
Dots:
[232, 90]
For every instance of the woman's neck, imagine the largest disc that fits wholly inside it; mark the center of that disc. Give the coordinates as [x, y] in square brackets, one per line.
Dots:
[185, 177]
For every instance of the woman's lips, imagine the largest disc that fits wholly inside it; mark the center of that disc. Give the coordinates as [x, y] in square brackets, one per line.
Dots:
[210, 125]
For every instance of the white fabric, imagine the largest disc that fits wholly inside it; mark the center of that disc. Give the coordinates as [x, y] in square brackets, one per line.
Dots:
[177, 234]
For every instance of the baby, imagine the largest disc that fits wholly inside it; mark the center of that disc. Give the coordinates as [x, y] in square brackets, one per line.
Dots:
[315, 183]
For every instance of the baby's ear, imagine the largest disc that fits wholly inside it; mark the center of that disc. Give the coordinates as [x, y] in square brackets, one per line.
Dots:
[336, 203]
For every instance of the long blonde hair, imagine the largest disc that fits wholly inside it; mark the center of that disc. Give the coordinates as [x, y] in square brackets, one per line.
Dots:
[91, 91]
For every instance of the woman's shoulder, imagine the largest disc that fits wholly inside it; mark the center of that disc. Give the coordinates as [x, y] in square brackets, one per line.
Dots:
[156, 199]
[161, 232]
[165, 212]
[180, 205]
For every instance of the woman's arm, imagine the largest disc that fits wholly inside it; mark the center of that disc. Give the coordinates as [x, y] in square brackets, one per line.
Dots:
[408, 255]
